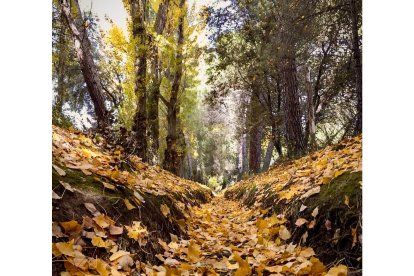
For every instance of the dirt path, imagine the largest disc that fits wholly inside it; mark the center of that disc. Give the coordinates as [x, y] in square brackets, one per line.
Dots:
[227, 239]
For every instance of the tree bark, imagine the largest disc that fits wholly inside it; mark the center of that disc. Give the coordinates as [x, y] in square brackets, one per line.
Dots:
[311, 112]
[154, 95]
[256, 135]
[268, 155]
[139, 34]
[84, 56]
[291, 106]
[174, 153]
[244, 154]
[355, 6]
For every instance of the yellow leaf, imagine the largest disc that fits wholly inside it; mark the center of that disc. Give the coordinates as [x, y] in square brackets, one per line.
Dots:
[118, 255]
[137, 232]
[103, 221]
[338, 173]
[301, 173]
[244, 268]
[101, 267]
[164, 210]
[339, 270]
[194, 252]
[66, 248]
[284, 234]
[109, 186]
[98, 242]
[261, 224]
[275, 220]
[317, 266]
[129, 205]
[307, 252]
[114, 174]
[55, 250]
[71, 226]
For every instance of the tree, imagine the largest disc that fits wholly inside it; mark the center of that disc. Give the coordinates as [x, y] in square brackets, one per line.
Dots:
[83, 50]
[154, 95]
[355, 10]
[175, 137]
[138, 13]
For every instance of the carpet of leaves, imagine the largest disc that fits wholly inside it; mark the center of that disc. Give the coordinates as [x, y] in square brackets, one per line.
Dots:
[224, 238]
[302, 178]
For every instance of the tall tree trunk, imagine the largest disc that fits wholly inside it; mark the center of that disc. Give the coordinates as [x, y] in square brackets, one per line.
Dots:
[244, 154]
[355, 9]
[84, 56]
[173, 152]
[139, 35]
[154, 95]
[311, 112]
[291, 106]
[60, 67]
[268, 155]
[256, 135]
[189, 158]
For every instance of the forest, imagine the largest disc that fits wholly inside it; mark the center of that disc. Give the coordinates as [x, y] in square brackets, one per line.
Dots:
[207, 138]
[280, 79]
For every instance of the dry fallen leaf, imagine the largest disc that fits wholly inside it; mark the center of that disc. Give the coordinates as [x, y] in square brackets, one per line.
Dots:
[125, 262]
[340, 270]
[109, 186]
[139, 197]
[194, 252]
[91, 208]
[101, 267]
[66, 248]
[66, 185]
[284, 234]
[129, 205]
[71, 226]
[55, 195]
[315, 212]
[102, 220]
[346, 200]
[300, 221]
[164, 210]
[98, 242]
[59, 170]
[302, 207]
[244, 267]
[354, 236]
[307, 252]
[304, 237]
[311, 192]
[57, 231]
[118, 255]
[115, 230]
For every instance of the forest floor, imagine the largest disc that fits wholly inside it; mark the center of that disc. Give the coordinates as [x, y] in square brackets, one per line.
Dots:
[119, 216]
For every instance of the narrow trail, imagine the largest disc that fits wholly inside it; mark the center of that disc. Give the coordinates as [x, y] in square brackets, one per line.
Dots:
[228, 239]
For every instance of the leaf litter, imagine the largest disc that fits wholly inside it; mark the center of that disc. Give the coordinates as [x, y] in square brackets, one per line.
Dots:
[224, 237]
